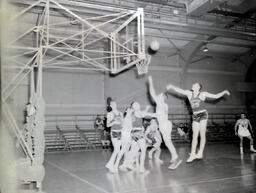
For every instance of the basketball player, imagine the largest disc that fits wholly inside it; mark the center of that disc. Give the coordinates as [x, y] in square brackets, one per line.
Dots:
[114, 120]
[200, 115]
[165, 126]
[139, 133]
[138, 139]
[126, 139]
[154, 140]
[244, 130]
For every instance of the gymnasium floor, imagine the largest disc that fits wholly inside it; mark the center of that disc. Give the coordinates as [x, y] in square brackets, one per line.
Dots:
[222, 170]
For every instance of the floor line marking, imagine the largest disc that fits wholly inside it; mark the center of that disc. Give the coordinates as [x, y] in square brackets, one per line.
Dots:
[75, 176]
[191, 183]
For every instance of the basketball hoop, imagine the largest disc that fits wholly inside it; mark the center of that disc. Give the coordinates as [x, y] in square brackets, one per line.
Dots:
[142, 66]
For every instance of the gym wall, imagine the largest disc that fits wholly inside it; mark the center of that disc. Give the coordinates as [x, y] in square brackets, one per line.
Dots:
[86, 92]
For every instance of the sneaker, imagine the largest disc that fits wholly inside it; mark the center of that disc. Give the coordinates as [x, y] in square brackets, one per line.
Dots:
[143, 171]
[173, 159]
[123, 168]
[108, 166]
[175, 164]
[113, 170]
[130, 167]
[253, 150]
[159, 160]
[191, 158]
[199, 156]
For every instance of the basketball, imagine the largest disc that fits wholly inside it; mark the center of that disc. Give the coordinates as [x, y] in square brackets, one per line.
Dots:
[154, 45]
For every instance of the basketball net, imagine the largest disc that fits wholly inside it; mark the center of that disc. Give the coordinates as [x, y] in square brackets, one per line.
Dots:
[142, 66]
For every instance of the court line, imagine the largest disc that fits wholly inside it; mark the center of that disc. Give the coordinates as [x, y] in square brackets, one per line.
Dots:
[190, 183]
[75, 176]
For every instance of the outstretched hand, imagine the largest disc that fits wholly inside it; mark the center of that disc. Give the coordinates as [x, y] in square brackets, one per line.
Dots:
[227, 92]
[169, 86]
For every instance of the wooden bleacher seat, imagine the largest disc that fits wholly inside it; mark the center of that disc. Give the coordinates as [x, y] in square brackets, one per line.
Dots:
[76, 132]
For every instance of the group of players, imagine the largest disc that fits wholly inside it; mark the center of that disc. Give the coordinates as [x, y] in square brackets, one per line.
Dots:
[130, 139]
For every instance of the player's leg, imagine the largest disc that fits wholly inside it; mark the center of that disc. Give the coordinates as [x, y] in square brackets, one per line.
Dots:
[157, 150]
[150, 153]
[132, 153]
[124, 147]
[166, 133]
[202, 131]
[166, 130]
[241, 144]
[143, 148]
[117, 146]
[195, 129]
[251, 144]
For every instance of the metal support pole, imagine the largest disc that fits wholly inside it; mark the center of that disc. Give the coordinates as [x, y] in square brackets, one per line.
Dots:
[39, 72]
[47, 15]
[32, 82]
[82, 40]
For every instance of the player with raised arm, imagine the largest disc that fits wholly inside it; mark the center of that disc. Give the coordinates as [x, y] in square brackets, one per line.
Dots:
[196, 98]
[165, 125]
[138, 139]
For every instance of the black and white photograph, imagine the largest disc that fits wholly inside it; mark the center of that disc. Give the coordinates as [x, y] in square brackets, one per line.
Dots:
[128, 96]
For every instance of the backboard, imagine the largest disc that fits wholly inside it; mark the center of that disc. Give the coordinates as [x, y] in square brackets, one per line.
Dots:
[127, 43]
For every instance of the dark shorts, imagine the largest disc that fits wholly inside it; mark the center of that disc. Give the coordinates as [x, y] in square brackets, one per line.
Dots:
[200, 116]
[116, 134]
[137, 135]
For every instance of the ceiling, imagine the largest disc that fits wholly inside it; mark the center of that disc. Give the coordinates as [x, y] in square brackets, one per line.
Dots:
[214, 22]
[183, 26]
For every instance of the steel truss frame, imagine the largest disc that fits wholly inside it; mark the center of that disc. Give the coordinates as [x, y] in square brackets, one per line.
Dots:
[77, 45]
[74, 46]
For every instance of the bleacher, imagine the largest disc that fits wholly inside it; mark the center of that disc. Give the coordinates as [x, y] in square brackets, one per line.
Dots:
[76, 132]
[220, 127]
[71, 133]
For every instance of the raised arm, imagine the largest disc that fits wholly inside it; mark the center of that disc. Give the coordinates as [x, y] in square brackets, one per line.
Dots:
[216, 96]
[151, 89]
[178, 90]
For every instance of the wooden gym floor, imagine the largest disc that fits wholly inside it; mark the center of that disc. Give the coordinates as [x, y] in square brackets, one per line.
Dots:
[222, 170]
